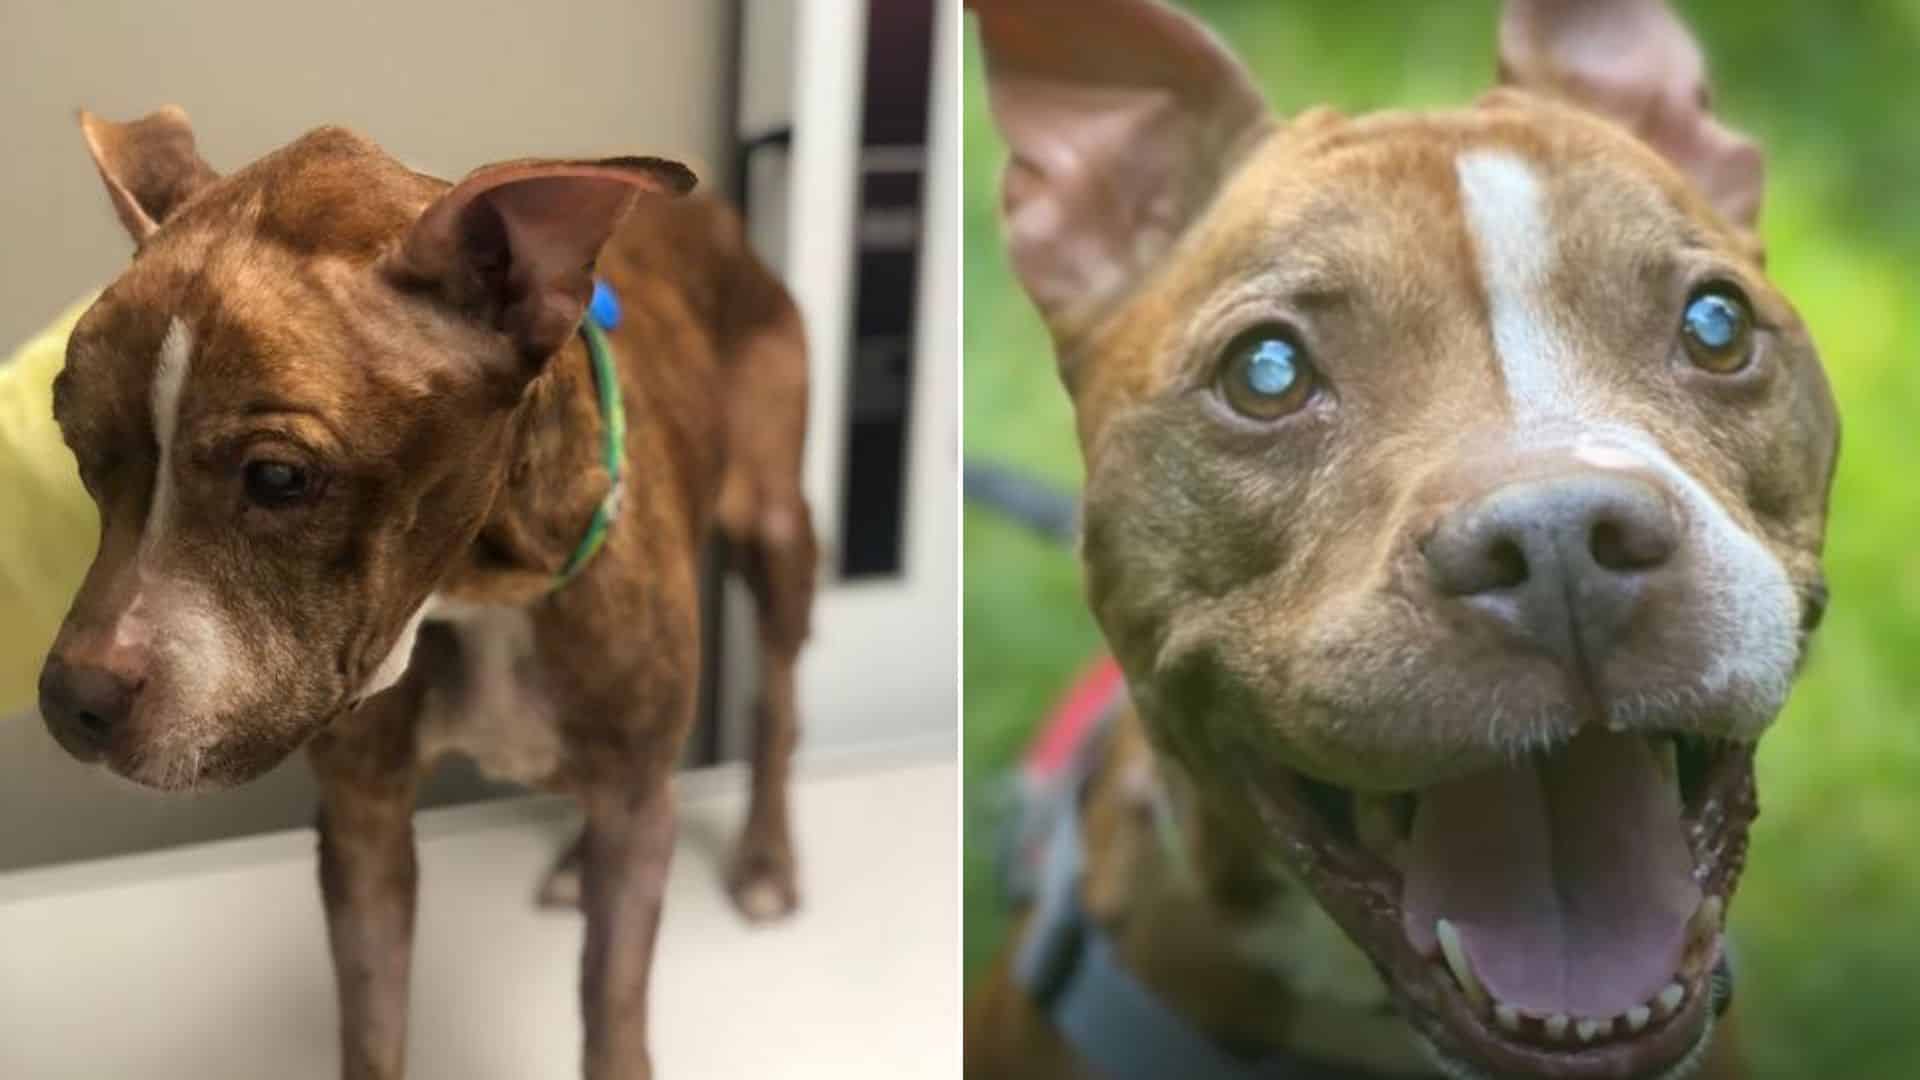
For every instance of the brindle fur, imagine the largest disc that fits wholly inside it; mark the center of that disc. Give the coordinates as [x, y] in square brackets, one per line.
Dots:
[468, 466]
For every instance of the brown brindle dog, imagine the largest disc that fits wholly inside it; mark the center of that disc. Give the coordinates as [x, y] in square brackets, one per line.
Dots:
[335, 405]
[1456, 486]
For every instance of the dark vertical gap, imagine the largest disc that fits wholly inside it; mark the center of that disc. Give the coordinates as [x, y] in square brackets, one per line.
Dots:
[889, 234]
[706, 744]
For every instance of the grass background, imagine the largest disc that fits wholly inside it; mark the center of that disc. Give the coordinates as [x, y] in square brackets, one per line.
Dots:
[1828, 920]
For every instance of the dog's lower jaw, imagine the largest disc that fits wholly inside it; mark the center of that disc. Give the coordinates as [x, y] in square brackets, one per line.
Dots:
[194, 760]
[1455, 1069]
[1464, 1035]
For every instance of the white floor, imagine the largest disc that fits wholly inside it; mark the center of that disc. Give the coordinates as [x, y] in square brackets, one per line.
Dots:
[210, 963]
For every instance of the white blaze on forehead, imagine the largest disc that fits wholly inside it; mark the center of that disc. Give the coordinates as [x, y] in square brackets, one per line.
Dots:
[1513, 243]
[169, 376]
[202, 652]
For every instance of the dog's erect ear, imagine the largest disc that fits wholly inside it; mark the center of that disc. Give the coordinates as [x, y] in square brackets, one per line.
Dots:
[1123, 117]
[514, 244]
[1635, 62]
[149, 165]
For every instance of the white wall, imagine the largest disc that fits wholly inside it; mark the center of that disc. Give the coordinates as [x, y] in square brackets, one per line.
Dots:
[444, 85]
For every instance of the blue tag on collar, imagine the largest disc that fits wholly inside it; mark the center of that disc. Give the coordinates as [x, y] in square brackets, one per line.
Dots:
[604, 309]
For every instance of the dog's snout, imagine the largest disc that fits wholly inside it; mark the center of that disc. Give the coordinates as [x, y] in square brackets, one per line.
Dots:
[85, 703]
[1561, 562]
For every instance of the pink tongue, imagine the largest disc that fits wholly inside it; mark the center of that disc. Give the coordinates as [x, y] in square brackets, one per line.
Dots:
[1568, 877]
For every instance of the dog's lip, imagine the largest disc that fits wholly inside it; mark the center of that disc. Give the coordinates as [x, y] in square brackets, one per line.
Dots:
[1362, 892]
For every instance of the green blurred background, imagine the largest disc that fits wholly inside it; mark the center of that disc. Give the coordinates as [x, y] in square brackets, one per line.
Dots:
[1828, 920]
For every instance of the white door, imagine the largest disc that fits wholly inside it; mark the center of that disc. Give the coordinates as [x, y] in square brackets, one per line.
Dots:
[881, 671]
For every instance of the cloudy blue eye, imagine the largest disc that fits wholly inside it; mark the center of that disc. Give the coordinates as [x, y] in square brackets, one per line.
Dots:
[1265, 374]
[1717, 327]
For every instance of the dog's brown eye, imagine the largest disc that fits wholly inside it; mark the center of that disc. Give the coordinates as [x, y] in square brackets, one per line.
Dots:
[275, 484]
[1265, 374]
[1717, 328]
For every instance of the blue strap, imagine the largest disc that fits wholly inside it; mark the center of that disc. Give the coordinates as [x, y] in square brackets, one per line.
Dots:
[604, 308]
[1113, 1021]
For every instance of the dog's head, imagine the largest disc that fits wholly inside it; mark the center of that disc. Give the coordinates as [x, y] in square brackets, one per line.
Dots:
[292, 411]
[1456, 484]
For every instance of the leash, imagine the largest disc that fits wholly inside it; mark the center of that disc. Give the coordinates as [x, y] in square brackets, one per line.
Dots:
[603, 314]
[1023, 499]
[1068, 964]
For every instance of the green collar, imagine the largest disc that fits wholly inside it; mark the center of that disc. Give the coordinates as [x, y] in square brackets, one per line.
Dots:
[613, 449]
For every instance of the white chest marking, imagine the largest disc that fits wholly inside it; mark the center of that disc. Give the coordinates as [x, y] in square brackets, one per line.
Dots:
[1513, 243]
[398, 657]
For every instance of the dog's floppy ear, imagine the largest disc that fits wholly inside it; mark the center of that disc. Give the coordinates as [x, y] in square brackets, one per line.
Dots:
[1635, 62]
[149, 165]
[514, 244]
[1123, 117]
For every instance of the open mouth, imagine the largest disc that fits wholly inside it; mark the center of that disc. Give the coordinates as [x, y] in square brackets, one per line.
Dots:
[1560, 915]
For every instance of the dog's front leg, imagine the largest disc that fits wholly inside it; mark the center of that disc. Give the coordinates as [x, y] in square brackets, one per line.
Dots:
[368, 774]
[627, 846]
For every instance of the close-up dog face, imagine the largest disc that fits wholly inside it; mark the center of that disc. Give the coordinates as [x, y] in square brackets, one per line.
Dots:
[291, 413]
[1456, 485]
[1579, 476]
[1475, 341]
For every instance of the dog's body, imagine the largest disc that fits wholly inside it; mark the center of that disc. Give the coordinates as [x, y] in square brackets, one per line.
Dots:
[334, 405]
[1456, 487]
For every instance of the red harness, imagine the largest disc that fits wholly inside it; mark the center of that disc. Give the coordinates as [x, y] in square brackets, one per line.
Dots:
[1099, 687]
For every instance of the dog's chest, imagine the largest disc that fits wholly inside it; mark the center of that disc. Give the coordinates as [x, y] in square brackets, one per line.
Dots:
[492, 703]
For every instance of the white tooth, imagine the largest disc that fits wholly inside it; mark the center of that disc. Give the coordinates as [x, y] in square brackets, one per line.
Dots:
[1456, 955]
[1589, 1029]
[1508, 1016]
[1669, 999]
[1556, 1026]
[1637, 1017]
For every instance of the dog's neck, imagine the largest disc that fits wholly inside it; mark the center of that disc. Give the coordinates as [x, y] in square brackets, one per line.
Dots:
[1222, 934]
[552, 477]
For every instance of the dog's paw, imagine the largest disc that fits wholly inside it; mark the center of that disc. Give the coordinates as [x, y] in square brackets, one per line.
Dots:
[762, 887]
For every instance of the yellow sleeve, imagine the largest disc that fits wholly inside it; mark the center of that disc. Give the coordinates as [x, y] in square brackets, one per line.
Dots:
[48, 527]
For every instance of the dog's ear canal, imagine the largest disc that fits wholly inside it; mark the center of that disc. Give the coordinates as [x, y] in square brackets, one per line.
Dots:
[514, 244]
[1123, 117]
[149, 165]
[1636, 63]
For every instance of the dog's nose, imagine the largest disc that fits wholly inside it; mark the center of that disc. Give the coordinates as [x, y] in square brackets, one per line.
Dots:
[1562, 562]
[85, 703]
